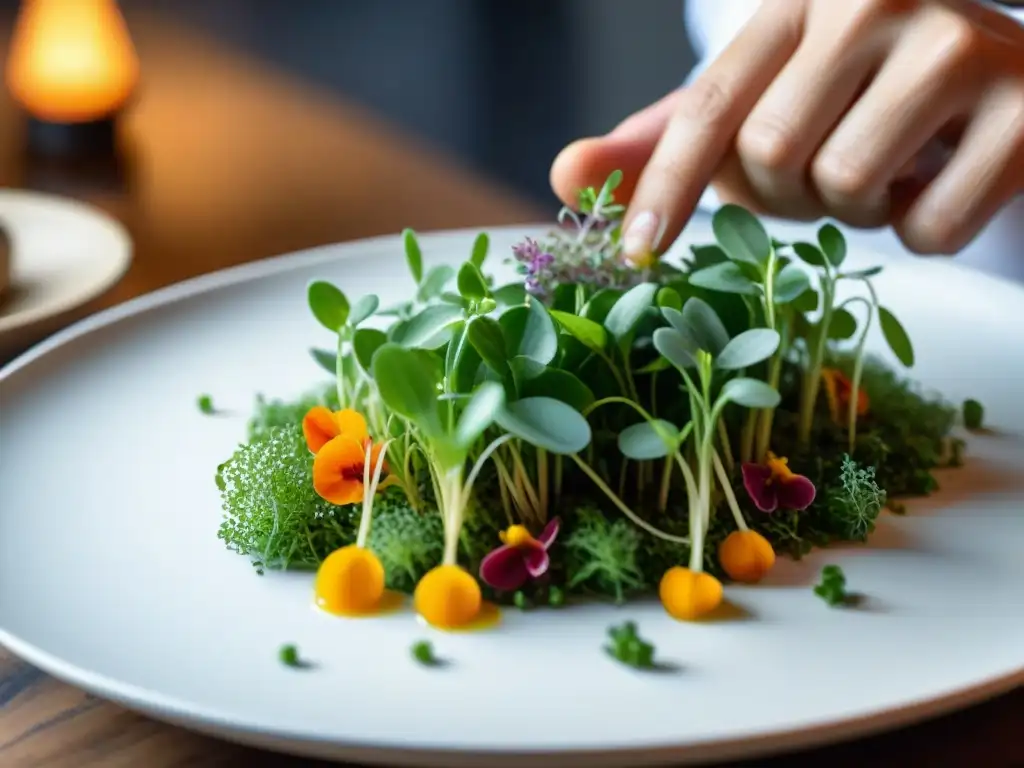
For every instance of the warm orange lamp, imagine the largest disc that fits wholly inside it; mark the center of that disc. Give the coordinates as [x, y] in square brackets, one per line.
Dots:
[72, 67]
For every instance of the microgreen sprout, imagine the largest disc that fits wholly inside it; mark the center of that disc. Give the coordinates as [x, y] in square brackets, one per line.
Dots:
[973, 413]
[423, 652]
[289, 656]
[628, 647]
[205, 405]
[832, 587]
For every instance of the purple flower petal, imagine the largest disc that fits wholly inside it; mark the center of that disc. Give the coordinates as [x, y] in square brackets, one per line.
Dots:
[795, 493]
[504, 569]
[550, 532]
[535, 558]
[762, 492]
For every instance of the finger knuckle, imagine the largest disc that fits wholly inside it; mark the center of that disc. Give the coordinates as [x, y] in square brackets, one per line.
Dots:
[707, 101]
[770, 142]
[957, 41]
[842, 175]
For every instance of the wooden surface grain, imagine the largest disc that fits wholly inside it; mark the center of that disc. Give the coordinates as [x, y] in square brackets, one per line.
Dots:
[230, 163]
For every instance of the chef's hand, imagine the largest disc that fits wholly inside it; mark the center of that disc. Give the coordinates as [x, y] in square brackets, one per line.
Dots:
[831, 108]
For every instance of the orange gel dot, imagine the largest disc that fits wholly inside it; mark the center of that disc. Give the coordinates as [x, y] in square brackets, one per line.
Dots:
[350, 581]
[448, 597]
[688, 595]
[746, 556]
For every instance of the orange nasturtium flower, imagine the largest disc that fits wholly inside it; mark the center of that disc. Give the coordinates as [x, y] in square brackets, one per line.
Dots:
[342, 446]
[838, 389]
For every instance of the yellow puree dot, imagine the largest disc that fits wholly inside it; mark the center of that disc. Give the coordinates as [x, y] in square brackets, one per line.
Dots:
[688, 595]
[746, 556]
[448, 597]
[350, 581]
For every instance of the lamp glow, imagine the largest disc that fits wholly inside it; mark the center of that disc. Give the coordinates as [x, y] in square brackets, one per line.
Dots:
[71, 61]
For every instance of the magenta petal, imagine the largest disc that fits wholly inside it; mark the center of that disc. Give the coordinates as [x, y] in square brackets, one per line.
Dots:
[763, 493]
[550, 532]
[536, 560]
[795, 493]
[504, 569]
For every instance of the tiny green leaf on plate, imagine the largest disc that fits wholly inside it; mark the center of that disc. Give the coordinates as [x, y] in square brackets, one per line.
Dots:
[790, 283]
[472, 285]
[726, 277]
[326, 359]
[833, 244]
[363, 309]
[973, 413]
[810, 254]
[413, 255]
[587, 331]
[552, 382]
[627, 311]
[896, 337]
[748, 348]
[705, 326]
[480, 248]
[751, 393]
[425, 328]
[741, 235]
[530, 331]
[546, 423]
[649, 440]
[408, 385]
[365, 342]
[484, 333]
[862, 274]
[676, 347]
[842, 325]
[434, 282]
[479, 413]
[328, 304]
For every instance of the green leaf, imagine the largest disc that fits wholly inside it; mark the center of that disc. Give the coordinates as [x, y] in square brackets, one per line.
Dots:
[806, 301]
[530, 331]
[328, 304]
[467, 369]
[511, 295]
[485, 335]
[600, 304]
[656, 365]
[896, 337]
[408, 386]
[705, 326]
[669, 297]
[524, 369]
[649, 440]
[480, 248]
[365, 343]
[434, 282]
[427, 328]
[706, 256]
[546, 423]
[748, 348]
[551, 382]
[472, 286]
[363, 309]
[676, 347]
[726, 277]
[833, 244]
[741, 235]
[973, 413]
[479, 413]
[862, 274]
[750, 393]
[326, 359]
[790, 283]
[627, 311]
[810, 254]
[413, 255]
[842, 324]
[587, 331]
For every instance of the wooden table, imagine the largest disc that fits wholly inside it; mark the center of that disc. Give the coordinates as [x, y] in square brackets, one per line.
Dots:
[235, 163]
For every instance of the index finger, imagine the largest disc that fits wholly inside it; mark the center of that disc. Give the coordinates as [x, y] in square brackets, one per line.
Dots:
[703, 127]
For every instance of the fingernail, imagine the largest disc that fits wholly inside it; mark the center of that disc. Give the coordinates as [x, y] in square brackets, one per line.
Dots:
[640, 237]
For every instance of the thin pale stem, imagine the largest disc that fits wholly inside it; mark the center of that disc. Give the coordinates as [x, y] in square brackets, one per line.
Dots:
[723, 438]
[730, 497]
[542, 482]
[666, 485]
[523, 479]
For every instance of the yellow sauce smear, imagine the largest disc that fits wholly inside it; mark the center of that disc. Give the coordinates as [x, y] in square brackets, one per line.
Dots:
[489, 616]
[390, 602]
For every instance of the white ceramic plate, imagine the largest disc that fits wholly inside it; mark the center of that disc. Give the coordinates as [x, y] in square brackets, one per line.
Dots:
[112, 578]
[64, 254]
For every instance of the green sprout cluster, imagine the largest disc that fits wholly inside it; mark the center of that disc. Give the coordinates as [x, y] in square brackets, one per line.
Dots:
[628, 647]
[625, 401]
[832, 587]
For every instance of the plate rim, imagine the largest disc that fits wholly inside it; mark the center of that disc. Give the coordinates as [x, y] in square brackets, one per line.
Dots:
[198, 718]
[19, 321]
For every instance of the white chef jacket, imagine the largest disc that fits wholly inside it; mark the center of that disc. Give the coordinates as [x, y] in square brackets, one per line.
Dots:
[999, 249]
